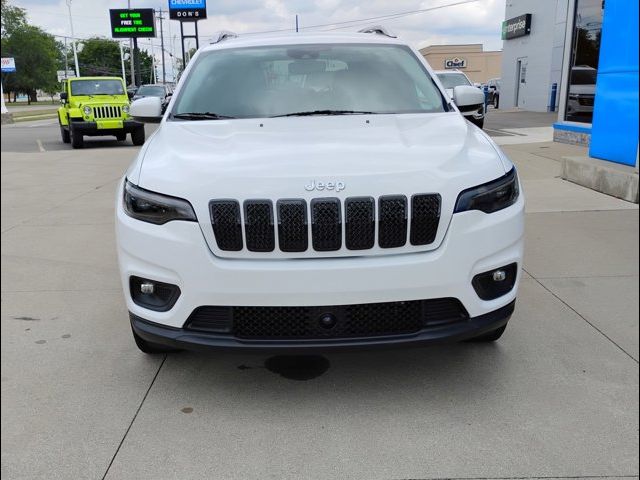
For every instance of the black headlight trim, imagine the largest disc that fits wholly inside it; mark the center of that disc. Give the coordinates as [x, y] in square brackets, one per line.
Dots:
[156, 208]
[491, 196]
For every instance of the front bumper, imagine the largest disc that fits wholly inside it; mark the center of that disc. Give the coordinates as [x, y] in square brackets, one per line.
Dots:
[177, 253]
[180, 338]
[98, 128]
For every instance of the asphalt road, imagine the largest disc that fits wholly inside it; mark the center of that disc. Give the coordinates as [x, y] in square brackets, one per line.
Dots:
[556, 397]
[44, 135]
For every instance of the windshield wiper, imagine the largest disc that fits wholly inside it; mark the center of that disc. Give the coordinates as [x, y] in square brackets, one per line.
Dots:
[199, 116]
[324, 112]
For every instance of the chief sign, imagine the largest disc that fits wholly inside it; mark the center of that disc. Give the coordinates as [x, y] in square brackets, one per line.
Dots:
[134, 23]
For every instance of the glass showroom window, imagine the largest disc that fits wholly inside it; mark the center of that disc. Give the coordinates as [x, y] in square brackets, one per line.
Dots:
[584, 60]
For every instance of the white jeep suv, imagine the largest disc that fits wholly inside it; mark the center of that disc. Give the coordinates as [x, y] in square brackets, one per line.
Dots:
[316, 191]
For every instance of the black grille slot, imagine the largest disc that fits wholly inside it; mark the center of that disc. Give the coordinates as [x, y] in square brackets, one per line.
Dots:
[350, 321]
[258, 225]
[392, 215]
[293, 235]
[271, 322]
[211, 319]
[326, 224]
[425, 216]
[225, 218]
[360, 223]
[390, 318]
[444, 310]
[107, 112]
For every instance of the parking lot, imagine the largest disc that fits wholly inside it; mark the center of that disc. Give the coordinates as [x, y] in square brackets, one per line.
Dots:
[556, 397]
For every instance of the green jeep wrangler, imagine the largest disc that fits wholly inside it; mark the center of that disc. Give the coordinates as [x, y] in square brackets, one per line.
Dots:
[96, 106]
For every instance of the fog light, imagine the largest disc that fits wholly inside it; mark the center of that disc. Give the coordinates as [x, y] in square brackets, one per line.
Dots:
[495, 283]
[153, 295]
[498, 276]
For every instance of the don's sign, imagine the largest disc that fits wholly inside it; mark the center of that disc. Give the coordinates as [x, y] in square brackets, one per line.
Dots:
[187, 9]
[516, 27]
[132, 23]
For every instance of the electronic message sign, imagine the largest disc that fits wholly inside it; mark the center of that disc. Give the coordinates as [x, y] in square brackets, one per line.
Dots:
[134, 23]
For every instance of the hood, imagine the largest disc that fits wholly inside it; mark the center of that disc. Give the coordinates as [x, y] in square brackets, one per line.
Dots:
[371, 155]
[98, 100]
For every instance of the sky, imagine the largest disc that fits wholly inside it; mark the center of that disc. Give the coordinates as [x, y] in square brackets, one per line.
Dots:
[475, 22]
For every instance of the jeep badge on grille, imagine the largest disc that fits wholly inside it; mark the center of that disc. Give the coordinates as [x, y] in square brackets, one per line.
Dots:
[314, 185]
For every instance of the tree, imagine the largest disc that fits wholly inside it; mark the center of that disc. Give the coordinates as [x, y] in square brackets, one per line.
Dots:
[188, 54]
[13, 18]
[36, 54]
[101, 57]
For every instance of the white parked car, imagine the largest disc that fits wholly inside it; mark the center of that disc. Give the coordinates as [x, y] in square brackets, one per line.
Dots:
[451, 79]
[582, 93]
[316, 191]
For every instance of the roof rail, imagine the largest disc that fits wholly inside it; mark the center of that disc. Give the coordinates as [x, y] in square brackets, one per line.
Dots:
[378, 30]
[222, 36]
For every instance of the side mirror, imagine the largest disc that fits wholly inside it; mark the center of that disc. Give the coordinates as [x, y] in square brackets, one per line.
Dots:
[468, 98]
[130, 95]
[64, 96]
[147, 109]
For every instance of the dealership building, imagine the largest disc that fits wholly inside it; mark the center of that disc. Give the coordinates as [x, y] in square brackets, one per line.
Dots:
[579, 58]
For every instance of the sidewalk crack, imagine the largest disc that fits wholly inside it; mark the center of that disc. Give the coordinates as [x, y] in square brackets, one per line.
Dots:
[134, 417]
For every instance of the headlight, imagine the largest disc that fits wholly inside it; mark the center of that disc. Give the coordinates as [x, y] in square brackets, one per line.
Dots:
[87, 110]
[155, 208]
[490, 197]
[125, 109]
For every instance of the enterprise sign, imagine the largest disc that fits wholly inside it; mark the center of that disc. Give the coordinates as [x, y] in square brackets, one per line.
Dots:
[132, 23]
[516, 27]
[187, 10]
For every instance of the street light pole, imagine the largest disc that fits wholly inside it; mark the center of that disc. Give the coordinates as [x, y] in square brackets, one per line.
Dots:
[132, 54]
[73, 40]
[124, 74]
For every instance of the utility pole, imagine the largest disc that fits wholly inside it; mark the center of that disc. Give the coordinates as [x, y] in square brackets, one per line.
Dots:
[161, 18]
[73, 40]
[124, 74]
[296, 23]
[131, 54]
[66, 58]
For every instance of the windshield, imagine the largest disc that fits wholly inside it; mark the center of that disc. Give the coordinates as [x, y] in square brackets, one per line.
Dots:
[284, 80]
[97, 87]
[452, 80]
[150, 91]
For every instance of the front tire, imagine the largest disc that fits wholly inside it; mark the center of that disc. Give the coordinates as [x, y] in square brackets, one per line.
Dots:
[496, 101]
[121, 137]
[64, 133]
[77, 140]
[479, 122]
[148, 347]
[137, 136]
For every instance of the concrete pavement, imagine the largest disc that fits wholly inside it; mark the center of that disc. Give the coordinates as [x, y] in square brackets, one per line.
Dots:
[556, 397]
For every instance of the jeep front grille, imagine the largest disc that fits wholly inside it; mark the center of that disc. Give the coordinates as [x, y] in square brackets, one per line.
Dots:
[356, 226]
[348, 321]
[107, 112]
